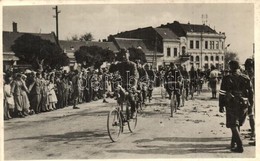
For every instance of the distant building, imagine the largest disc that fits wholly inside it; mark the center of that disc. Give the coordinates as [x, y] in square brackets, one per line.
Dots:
[204, 45]
[182, 44]
[9, 58]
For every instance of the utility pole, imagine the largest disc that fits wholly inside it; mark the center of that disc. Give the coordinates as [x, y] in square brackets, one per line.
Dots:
[57, 20]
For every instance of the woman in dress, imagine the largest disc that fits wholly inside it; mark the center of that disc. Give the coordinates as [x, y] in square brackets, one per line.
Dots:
[24, 92]
[51, 94]
[8, 98]
[16, 89]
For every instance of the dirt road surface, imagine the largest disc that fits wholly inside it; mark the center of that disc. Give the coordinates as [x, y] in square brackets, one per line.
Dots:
[195, 131]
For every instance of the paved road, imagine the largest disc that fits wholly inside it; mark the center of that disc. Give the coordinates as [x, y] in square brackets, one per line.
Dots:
[197, 130]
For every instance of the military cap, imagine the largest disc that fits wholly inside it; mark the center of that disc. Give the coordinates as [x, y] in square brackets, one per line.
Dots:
[233, 64]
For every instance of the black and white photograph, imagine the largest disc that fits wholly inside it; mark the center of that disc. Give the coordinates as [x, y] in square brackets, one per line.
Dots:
[129, 80]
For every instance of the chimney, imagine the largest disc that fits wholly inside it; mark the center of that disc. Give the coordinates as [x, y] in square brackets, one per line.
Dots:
[15, 27]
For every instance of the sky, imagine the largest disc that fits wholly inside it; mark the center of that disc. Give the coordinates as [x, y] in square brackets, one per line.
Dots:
[235, 19]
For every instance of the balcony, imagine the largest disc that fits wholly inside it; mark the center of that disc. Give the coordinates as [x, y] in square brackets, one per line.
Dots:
[185, 57]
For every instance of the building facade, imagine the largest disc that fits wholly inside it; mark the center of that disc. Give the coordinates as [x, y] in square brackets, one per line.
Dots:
[205, 46]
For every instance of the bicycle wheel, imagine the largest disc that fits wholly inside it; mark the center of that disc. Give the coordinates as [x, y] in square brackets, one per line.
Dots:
[114, 125]
[132, 122]
[173, 104]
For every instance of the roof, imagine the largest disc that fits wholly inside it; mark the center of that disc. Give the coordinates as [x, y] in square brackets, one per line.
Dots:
[129, 43]
[71, 46]
[197, 28]
[104, 45]
[181, 29]
[166, 33]
[10, 37]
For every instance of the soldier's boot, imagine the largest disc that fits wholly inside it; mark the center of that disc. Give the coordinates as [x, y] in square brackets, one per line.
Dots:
[238, 141]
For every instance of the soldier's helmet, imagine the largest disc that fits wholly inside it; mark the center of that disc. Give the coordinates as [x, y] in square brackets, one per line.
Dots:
[249, 64]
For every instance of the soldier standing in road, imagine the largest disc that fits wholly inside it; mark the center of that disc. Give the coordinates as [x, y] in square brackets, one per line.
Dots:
[249, 67]
[236, 95]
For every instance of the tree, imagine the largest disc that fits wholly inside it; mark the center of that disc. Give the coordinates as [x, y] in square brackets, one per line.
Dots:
[230, 56]
[134, 54]
[86, 37]
[74, 37]
[93, 56]
[38, 52]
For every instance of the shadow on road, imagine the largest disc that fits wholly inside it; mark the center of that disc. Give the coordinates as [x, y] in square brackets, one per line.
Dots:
[176, 146]
[86, 136]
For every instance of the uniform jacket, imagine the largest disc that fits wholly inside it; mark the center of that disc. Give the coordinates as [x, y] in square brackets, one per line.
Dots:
[236, 84]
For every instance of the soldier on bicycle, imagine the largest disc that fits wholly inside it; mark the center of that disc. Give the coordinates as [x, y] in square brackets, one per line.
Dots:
[129, 76]
[151, 80]
[142, 82]
[173, 82]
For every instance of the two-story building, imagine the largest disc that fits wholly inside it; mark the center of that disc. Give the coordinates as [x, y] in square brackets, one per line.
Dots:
[204, 45]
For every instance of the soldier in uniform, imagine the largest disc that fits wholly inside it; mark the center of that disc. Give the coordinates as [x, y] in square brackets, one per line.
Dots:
[236, 95]
[173, 82]
[129, 76]
[151, 79]
[249, 67]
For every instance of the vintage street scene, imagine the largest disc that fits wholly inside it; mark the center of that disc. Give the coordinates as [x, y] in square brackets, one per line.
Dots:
[128, 81]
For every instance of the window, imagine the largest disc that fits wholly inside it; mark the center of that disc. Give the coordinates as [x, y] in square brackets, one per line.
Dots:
[183, 50]
[222, 45]
[212, 58]
[197, 44]
[217, 45]
[206, 44]
[222, 58]
[206, 58]
[211, 44]
[175, 52]
[217, 58]
[197, 58]
[191, 44]
[168, 51]
[191, 58]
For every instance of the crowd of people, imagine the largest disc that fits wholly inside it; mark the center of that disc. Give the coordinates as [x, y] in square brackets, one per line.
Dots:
[27, 93]
[30, 92]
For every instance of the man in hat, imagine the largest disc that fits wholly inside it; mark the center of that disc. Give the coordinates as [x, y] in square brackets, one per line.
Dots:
[236, 95]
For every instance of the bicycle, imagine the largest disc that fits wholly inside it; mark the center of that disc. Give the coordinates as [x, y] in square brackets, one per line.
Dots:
[116, 119]
[173, 103]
